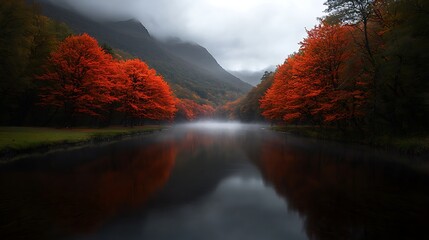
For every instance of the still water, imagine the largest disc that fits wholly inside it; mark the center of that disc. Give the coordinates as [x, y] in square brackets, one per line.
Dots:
[215, 181]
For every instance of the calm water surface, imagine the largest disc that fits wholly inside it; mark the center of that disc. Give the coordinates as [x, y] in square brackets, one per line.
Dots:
[214, 181]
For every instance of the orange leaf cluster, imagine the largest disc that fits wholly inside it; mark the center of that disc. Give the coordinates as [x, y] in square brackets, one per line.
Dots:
[316, 85]
[190, 110]
[145, 94]
[82, 79]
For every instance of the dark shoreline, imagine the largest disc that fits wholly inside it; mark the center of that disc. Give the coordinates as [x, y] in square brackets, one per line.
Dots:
[414, 147]
[9, 154]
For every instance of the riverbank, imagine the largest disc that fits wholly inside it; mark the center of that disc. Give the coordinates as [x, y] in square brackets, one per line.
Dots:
[16, 142]
[411, 145]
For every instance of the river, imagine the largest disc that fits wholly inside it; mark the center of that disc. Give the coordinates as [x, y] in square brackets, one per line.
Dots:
[213, 180]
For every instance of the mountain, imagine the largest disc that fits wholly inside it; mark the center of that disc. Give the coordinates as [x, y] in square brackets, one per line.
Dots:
[252, 77]
[190, 69]
[200, 57]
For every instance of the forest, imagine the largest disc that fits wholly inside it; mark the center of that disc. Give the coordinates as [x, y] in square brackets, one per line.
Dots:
[364, 67]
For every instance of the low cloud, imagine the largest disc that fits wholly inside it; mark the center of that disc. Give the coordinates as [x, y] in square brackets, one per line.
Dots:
[241, 34]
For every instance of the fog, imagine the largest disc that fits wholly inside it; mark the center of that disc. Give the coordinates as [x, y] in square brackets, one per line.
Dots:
[243, 35]
[212, 125]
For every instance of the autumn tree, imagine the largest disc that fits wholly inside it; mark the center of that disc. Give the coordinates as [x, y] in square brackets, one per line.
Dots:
[273, 103]
[247, 107]
[78, 78]
[190, 110]
[395, 48]
[334, 93]
[229, 110]
[313, 86]
[364, 16]
[145, 94]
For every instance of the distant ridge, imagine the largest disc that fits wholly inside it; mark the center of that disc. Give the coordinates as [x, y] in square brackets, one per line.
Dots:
[190, 69]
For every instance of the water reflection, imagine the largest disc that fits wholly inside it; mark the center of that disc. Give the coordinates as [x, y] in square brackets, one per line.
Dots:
[239, 208]
[53, 201]
[213, 181]
[345, 197]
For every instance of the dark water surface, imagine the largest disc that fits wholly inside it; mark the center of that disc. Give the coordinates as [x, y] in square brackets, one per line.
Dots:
[214, 181]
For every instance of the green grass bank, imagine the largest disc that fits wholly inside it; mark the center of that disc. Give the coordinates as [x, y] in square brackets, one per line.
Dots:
[412, 145]
[15, 141]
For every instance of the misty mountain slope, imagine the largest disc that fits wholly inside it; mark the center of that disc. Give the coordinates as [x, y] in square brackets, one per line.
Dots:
[253, 77]
[190, 69]
[201, 57]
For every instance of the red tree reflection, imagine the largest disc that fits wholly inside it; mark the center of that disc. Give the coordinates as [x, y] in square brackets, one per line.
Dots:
[340, 198]
[81, 200]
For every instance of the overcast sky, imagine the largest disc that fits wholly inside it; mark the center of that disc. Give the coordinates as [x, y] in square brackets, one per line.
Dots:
[241, 34]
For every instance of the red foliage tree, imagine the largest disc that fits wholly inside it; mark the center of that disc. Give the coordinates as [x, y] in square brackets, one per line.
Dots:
[145, 94]
[78, 78]
[335, 93]
[315, 85]
[282, 100]
[190, 110]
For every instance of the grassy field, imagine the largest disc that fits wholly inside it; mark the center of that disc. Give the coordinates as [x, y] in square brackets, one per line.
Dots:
[414, 145]
[27, 138]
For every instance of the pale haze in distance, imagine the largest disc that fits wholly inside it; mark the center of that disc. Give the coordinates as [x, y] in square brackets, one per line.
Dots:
[243, 35]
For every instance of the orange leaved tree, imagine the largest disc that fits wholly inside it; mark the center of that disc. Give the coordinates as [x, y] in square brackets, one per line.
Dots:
[190, 110]
[284, 99]
[316, 84]
[146, 95]
[78, 78]
[335, 92]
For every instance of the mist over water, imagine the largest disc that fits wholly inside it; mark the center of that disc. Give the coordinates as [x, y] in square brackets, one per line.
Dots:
[214, 180]
[213, 125]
